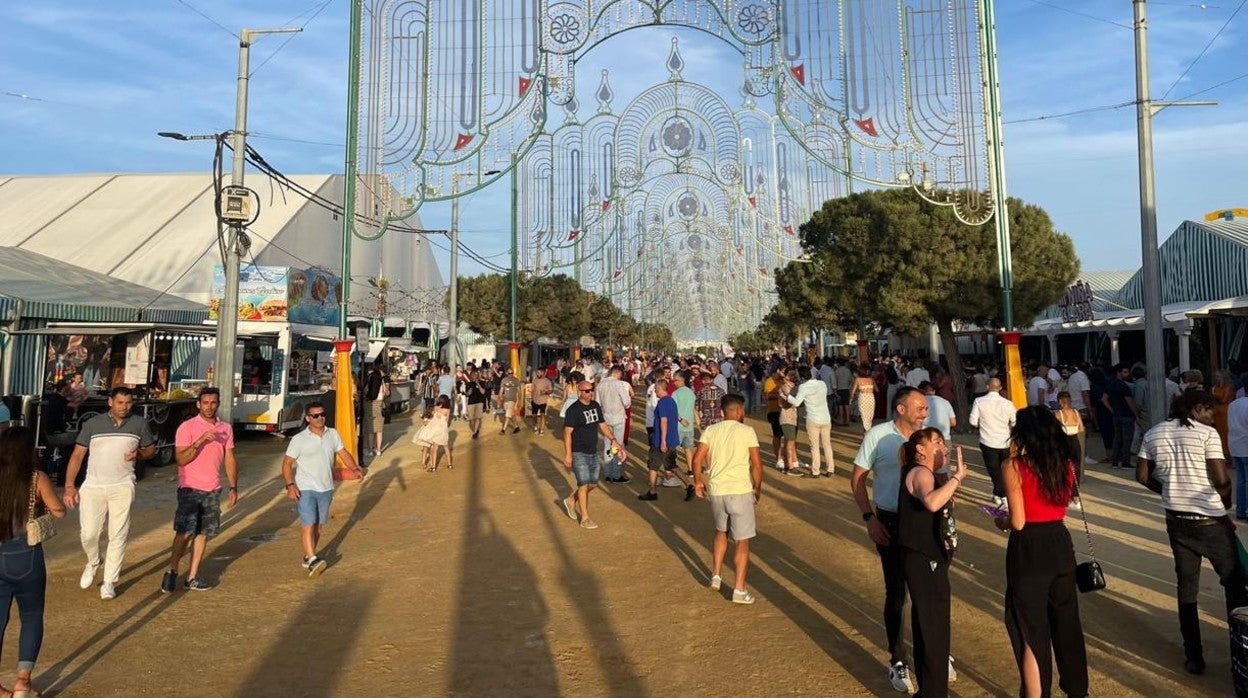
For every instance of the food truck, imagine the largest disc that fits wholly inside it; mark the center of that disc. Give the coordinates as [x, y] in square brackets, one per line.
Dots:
[288, 320]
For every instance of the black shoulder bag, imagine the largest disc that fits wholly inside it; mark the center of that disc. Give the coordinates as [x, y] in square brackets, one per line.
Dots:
[1088, 575]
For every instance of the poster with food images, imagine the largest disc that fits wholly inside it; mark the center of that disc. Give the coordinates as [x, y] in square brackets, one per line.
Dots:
[261, 293]
[313, 295]
[281, 294]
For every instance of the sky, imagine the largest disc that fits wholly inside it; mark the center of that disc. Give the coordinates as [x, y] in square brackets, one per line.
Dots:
[86, 85]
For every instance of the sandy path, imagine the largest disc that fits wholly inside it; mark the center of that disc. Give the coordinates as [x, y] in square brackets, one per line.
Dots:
[473, 582]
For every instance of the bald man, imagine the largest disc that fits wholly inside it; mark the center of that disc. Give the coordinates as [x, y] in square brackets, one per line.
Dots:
[993, 415]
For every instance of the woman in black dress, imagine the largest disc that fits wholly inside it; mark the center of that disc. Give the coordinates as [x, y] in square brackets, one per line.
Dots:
[927, 531]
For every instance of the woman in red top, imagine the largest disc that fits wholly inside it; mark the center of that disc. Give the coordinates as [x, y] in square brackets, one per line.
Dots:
[1041, 601]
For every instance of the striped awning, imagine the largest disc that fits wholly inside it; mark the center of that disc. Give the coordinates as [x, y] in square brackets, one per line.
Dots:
[54, 290]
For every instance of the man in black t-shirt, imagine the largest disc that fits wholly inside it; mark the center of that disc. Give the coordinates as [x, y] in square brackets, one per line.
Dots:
[478, 396]
[581, 426]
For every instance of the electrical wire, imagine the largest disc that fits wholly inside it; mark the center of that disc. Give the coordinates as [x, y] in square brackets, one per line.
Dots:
[319, 10]
[1085, 15]
[1204, 50]
[181, 276]
[201, 13]
[1224, 83]
[1077, 112]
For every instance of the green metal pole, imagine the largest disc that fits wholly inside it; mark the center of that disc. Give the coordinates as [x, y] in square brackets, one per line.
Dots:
[996, 158]
[348, 192]
[515, 229]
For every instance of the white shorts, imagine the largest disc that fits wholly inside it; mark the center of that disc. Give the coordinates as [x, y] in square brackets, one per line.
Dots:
[734, 513]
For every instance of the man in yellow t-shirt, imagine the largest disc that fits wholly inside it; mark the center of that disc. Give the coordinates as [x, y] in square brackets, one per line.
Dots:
[771, 394]
[733, 482]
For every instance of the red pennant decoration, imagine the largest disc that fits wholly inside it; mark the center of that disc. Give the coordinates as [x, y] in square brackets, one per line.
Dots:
[606, 204]
[740, 250]
[619, 273]
[799, 72]
[762, 270]
[525, 84]
[754, 201]
[868, 126]
[788, 229]
[462, 140]
[639, 251]
[572, 235]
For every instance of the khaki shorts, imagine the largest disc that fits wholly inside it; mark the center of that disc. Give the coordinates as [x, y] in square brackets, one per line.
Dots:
[734, 513]
[475, 410]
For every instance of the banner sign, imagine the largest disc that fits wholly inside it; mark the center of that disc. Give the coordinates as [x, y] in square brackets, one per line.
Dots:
[281, 294]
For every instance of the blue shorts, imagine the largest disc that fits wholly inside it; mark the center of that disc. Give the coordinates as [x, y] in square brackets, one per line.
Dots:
[687, 440]
[314, 507]
[587, 468]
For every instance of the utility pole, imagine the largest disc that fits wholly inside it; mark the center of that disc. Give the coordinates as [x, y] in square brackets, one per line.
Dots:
[453, 349]
[1150, 265]
[227, 315]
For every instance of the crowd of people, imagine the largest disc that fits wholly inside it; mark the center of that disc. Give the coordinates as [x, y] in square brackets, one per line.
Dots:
[905, 480]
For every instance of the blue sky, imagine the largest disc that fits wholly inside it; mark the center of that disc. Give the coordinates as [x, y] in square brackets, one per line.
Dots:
[103, 77]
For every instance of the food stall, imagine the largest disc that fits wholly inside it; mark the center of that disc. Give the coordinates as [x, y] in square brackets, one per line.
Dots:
[288, 320]
[157, 361]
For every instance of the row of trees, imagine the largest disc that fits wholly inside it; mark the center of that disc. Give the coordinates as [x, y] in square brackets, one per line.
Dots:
[555, 307]
[901, 262]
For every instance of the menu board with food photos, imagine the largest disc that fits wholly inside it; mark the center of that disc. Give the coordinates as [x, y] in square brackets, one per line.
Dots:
[281, 294]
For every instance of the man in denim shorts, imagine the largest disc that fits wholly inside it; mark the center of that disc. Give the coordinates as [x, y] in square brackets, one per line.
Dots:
[581, 426]
[311, 485]
[203, 443]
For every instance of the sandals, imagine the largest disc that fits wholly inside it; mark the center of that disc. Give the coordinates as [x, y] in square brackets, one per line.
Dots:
[431, 470]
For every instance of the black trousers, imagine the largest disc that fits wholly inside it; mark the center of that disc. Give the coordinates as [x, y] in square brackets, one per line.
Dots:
[892, 561]
[928, 583]
[993, 458]
[1042, 606]
[1194, 539]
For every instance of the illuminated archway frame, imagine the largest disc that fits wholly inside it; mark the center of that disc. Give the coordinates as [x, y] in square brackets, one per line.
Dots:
[900, 81]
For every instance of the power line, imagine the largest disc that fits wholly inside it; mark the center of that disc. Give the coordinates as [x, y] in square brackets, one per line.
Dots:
[1224, 83]
[1085, 15]
[1077, 112]
[1204, 50]
[282, 45]
[201, 13]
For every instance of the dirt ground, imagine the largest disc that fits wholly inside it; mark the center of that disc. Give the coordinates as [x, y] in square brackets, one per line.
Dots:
[473, 582]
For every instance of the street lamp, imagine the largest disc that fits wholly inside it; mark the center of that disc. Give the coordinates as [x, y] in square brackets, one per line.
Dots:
[453, 351]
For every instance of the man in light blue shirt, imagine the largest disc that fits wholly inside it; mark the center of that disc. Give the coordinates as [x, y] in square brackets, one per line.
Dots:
[446, 383]
[880, 456]
[813, 393]
[686, 402]
[939, 412]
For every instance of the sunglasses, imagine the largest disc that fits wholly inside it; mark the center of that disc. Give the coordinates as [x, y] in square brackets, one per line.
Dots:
[318, 415]
[588, 391]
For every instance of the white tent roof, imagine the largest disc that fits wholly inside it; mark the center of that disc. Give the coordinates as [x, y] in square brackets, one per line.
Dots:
[159, 230]
[1173, 315]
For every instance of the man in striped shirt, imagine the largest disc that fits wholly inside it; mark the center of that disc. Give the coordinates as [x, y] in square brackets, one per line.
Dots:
[1181, 459]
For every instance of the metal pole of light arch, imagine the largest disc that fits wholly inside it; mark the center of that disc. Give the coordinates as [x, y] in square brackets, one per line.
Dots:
[1000, 206]
[344, 401]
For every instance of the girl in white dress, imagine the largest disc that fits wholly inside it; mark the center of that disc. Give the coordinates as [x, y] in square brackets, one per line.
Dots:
[434, 434]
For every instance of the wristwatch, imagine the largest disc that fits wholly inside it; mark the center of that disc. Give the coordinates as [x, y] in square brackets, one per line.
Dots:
[868, 515]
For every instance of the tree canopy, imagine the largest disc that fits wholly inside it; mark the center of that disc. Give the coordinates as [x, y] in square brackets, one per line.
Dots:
[905, 263]
[555, 307]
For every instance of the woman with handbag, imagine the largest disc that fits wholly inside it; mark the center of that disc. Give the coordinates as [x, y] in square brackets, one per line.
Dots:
[928, 533]
[1041, 601]
[28, 503]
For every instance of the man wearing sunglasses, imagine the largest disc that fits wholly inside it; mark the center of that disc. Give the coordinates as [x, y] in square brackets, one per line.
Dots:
[581, 426]
[308, 474]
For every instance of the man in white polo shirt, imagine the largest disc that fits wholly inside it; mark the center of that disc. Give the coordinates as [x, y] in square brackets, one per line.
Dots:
[115, 439]
[310, 455]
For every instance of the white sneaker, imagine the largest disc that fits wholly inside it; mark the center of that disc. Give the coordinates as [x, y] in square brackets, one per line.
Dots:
[716, 580]
[88, 577]
[742, 596]
[899, 676]
[107, 591]
[780, 464]
[672, 482]
[1089, 461]
[999, 502]
[953, 674]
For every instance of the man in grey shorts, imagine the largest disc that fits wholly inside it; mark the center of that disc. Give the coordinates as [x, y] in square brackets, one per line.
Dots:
[728, 453]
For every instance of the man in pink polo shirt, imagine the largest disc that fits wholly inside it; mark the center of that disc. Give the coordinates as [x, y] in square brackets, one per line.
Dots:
[202, 444]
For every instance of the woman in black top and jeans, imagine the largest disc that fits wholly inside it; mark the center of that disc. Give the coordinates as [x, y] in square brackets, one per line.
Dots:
[927, 532]
[23, 576]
